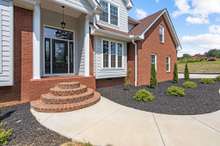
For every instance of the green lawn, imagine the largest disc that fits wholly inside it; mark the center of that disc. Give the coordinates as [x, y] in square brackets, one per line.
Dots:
[201, 67]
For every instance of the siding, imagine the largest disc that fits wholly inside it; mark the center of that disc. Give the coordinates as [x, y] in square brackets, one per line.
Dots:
[6, 42]
[102, 73]
[123, 16]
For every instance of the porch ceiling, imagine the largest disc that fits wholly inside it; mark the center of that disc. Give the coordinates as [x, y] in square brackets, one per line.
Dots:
[53, 6]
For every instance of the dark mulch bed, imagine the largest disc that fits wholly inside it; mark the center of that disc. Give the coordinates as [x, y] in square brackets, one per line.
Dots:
[203, 99]
[27, 131]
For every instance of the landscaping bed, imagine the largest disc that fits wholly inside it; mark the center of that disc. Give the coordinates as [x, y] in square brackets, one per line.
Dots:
[26, 130]
[203, 99]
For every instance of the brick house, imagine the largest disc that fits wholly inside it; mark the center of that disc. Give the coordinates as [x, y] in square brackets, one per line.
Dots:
[94, 42]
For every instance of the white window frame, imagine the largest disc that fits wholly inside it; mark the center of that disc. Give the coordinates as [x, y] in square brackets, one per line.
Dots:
[109, 54]
[155, 60]
[109, 12]
[162, 32]
[168, 63]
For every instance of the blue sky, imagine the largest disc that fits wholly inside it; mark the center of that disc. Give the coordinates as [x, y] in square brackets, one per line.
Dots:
[197, 22]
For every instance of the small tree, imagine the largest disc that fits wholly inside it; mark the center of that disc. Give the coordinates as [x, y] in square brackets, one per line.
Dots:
[175, 74]
[186, 73]
[153, 78]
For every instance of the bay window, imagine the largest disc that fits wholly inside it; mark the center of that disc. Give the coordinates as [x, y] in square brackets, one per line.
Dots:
[105, 53]
[109, 13]
[112, 54]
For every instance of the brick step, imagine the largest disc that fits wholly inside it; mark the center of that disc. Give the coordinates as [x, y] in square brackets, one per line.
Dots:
[40, 106]
[51, 99]
[56, 91]
[68, 85]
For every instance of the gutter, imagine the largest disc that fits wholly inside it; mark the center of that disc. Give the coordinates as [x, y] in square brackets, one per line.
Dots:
[135, 64]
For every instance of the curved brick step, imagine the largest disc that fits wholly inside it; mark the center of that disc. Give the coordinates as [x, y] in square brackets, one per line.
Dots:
[40, 106]
[68, 85]
[56, 91]
[51, 99]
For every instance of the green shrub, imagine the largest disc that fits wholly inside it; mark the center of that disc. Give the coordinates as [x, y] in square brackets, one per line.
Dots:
[153, 78]
[186, 73]
[207, 81]
[189, 84]
[175, 74]
[144, 95]
[217, 78]
[175, 91]
[4, 134]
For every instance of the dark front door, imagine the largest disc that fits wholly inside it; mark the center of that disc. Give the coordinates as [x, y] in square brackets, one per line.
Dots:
[60, 56]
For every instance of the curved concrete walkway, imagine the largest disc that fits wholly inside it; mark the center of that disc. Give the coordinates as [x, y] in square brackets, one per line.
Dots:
[108, 123]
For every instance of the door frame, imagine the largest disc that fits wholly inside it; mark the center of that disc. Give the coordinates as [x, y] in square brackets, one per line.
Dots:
[74, 51]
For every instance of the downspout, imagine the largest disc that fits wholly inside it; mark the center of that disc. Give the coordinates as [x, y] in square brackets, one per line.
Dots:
[135, 63]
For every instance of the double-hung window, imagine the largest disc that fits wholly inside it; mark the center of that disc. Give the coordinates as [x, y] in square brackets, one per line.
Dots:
[168, 62]
[113, 14]
[109, 13]
[112, 54]
[154, 60]
[162, 33]
[104, 15]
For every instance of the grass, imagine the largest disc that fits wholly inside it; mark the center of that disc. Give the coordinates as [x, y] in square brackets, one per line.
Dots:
[201, 67]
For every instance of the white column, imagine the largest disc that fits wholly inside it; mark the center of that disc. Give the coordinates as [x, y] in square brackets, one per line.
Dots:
[36, 40]
[86, 46]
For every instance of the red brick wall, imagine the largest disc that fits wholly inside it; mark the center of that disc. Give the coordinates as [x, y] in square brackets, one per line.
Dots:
[91, 55]
[152, 45]
[131, 62]
[25, 88]
[109, 82]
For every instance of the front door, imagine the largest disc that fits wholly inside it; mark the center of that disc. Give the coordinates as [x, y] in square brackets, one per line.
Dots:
[59, 51]
[60, 56]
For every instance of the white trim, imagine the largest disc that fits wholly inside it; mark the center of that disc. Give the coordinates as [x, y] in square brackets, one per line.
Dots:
[169, 63]
[74, 51]
[87, 47]
[153, 54]
[36, 41]
[162, 30]
[12, 43]
[109, 13]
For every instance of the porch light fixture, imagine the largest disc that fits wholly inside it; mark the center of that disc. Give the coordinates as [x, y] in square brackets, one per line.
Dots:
[63, 24]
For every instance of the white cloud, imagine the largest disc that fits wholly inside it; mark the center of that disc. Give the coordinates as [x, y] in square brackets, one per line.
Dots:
[201, 43]
[140, 13]
[198, 11]
[215, 29]
[157, 1]
[197, 19]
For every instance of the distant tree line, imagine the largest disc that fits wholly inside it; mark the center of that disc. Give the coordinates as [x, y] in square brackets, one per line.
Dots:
[213, 53]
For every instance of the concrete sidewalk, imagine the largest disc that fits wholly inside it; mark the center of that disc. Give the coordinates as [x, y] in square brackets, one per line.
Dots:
[199, 76]
[108, 123]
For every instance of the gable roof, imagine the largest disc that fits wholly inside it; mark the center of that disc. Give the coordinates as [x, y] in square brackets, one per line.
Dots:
[147, 22]
[133, 21]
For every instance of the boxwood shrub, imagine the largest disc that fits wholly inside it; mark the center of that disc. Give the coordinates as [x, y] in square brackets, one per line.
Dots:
[175, 91]
[217, 78]
[207, 81]
[144, 95]
[189, 84]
